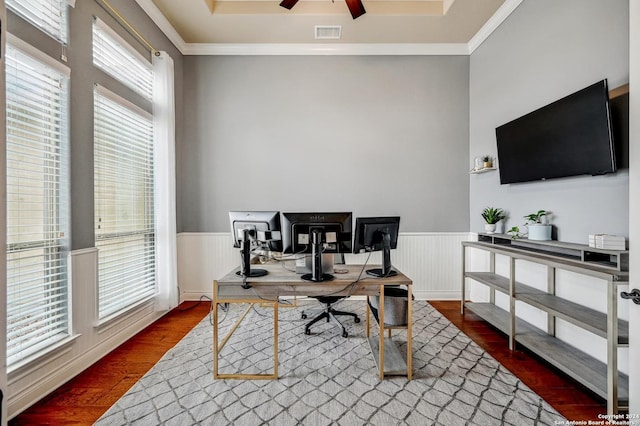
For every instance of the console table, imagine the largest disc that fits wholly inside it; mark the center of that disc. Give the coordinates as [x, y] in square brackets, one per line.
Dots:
[611, 266]
[267, 290]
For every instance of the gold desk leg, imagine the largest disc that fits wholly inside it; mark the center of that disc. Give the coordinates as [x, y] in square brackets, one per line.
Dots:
[275, 339]
[381, 317]
[233, 329]
[409, 332]
[215, 329]
[217, 348]
[368, 318]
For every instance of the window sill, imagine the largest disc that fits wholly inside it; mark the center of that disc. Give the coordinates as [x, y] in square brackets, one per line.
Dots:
[33, 362]
[118, 318]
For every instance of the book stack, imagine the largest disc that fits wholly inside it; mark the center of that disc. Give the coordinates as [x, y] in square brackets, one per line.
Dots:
[607, 242]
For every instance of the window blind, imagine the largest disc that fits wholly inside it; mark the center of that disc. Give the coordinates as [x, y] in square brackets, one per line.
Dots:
[48, 15]
[115, 57]
[37, 287]
[123, 179]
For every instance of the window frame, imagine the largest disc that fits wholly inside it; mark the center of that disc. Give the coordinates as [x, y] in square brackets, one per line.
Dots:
[147, 233]
[125, 64]
[32, 12]
[55, 243]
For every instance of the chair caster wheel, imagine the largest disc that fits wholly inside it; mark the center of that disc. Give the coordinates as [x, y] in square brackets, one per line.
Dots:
[307, 332]
[356, 320]
[345, 334]
[304, 316]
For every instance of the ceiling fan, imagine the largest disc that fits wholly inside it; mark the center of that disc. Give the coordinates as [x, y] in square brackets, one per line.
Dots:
[355, 6]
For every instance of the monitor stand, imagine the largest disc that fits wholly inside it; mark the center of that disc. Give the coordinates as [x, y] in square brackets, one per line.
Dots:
[316, 274]
[245, 265]
[386, 270]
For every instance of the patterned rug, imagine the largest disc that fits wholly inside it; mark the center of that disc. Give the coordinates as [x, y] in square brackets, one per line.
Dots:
[326, 379]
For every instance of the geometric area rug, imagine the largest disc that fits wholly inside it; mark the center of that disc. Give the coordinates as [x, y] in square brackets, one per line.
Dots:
[326, 379]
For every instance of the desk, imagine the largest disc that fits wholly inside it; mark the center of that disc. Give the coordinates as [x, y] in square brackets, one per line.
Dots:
[279, 282]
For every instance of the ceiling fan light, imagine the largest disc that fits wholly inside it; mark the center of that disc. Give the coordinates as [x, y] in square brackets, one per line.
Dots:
[356, 8]
[288, 4]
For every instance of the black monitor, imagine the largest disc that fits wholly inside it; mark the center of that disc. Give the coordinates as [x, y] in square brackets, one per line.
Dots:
[316, 233]
[254, 230]
[377, 234]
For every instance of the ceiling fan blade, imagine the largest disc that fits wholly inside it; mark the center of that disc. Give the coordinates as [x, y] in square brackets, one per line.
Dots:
[288, 4]
[355, 7]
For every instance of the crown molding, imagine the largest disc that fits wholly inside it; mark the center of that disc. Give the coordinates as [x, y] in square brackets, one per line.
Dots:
[163, 23]
[492, 24]
[336, 49]
[405, 49]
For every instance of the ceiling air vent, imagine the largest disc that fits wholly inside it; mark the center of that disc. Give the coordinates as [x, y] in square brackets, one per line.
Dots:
[328, 32]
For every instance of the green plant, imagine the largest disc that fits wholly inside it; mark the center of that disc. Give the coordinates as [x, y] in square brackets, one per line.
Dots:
[486, 159]
[515, 232]
[536, 217]
[493, 215]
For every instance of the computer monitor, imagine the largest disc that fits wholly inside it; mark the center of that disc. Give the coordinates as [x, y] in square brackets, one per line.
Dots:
[316, 233]
[252, 230]
[377, 234]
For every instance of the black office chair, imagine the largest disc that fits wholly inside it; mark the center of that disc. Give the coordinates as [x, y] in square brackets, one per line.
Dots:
[329, 313]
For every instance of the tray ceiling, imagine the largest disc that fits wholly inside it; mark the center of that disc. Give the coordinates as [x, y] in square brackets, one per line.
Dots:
[216, 22]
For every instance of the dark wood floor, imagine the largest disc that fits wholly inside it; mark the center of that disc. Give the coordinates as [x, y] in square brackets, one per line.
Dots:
[86, 397]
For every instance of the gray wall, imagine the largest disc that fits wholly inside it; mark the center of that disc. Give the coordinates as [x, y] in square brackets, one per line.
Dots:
[372, 135]
[83, 76]
[545, 50]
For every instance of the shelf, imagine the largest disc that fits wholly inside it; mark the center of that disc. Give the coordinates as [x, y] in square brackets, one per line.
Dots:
[585, 369]
[580, 254]
[610, 266]
[394, 362]
[589, 319]
[483, 170]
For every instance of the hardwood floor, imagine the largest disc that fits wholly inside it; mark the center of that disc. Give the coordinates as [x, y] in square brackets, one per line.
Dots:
[82, 400]
[86, 397]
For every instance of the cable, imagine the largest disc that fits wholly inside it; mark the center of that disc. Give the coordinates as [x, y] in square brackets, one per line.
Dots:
[195, 304]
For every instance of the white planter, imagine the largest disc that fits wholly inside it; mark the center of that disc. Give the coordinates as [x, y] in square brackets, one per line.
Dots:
[539, 232]
[489, 228]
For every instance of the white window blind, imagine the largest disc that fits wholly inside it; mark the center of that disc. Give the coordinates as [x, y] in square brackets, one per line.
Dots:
[115, 57]
[123, 179]
[37, 139]
[48, 15]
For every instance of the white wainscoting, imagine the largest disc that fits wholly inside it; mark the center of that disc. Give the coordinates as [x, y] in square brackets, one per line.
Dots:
[431, 259]
[35, 380]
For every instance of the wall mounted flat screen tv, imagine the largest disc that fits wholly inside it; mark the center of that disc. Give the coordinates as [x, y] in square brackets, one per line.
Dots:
[569, 137]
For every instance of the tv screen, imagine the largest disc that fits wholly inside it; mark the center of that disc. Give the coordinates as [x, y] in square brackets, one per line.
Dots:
[569, 137]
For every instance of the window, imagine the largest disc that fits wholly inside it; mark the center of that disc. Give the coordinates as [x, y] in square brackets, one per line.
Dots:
[37, 146]
[48, 15]
[115, 57]
[123, 179]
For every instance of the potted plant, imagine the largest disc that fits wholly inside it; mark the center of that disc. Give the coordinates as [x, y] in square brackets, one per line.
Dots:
[487, 161]
[491, 216]
[515, 232]
[537, 230]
